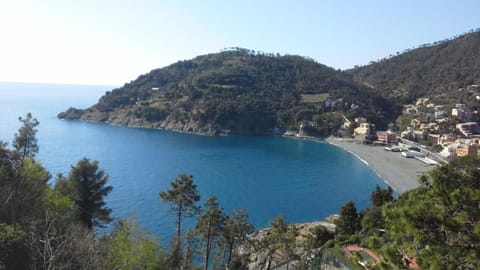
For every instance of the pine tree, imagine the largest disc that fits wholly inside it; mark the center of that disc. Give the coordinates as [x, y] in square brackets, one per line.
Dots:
[348, 222]
[439, 223]
[22, 179]
[381, 196]
[181, 199]
[25, 142]
[86, 185]
[210, 226]
[281, 237]
[236, 229]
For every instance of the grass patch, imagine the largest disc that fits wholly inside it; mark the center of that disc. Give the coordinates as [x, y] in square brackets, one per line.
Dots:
[315, 98]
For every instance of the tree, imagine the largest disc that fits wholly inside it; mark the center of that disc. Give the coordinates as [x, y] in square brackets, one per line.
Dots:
[32, 187]
[313, 244]
[8, 174]
[318, 236]
[21, 179]
[181, 199]
[14, 252]
[50, 235]
[439, 222]
[23, 183]
[86, 186]
[280, 240]
[347, 223]
[129, 247]
[210, 226]
[236, 229]
[381, 196]
[82, 249]
[372, 219]
[25, 142]
[403, 122]
[192, 246]
[39, 228]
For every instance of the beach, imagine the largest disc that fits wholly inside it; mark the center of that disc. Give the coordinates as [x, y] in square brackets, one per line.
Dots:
[400, 173]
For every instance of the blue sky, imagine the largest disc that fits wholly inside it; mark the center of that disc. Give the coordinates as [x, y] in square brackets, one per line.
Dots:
[112, 42]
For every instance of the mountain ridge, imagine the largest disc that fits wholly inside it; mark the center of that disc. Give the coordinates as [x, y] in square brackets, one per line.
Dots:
[431, 69]
[236, 92]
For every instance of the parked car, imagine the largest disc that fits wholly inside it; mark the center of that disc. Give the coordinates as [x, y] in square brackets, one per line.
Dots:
[414, 148]
[393, 148]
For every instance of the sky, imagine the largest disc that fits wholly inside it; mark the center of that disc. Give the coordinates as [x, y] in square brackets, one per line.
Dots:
[111, 42]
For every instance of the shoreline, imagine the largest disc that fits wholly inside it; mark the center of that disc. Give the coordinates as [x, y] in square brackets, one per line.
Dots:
[401, 174]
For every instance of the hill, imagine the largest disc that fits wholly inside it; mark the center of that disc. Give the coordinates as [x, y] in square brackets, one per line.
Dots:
[430, 70]
[238, 91]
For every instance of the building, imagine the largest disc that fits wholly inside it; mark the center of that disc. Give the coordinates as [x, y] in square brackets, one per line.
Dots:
[467, 150]
[415, 123]
[433, 138]
[363, 129]
[446, 139]
[409, 109]
[347, 123]
[432, 126]
[421, 101]
[449, 151]
[360, 120]
[407, 134]
[470, 150]
[460, 111]
[386, 137]
[475, 139]
[439, 111]
[468, 128]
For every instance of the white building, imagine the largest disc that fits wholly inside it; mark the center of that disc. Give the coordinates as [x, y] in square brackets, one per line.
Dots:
[363, 129]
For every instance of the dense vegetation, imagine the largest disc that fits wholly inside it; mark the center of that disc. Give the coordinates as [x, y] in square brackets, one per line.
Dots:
[237, 91]
[438, 224]
[430, 70]
[44, 226]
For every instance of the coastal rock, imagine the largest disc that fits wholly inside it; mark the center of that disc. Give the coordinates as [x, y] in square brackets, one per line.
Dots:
[71, 114]
[261, 260]
[94, 115]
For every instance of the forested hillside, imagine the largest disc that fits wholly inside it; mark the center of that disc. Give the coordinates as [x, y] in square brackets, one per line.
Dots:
[432, 69]
[238, 91]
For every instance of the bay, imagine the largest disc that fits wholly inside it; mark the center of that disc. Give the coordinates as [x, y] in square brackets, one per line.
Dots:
[267, 176]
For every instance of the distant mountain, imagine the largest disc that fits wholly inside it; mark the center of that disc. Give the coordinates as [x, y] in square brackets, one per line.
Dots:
[238, 91]
[434, 69]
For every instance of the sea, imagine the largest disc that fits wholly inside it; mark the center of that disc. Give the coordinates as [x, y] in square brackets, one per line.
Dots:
[267, 176]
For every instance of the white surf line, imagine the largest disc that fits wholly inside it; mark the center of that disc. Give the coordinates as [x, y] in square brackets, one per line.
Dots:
[354, 154]
[397, 189]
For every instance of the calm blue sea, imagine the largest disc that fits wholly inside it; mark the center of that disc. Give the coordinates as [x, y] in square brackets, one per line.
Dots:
[267, 176]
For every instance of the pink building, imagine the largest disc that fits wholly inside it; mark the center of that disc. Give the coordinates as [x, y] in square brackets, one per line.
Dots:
[386, 137]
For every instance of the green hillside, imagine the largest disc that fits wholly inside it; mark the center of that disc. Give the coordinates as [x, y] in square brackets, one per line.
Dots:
[238, 91]
[430, 70]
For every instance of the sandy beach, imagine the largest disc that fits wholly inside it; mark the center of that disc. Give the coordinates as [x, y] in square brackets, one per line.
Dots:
[400, 173]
